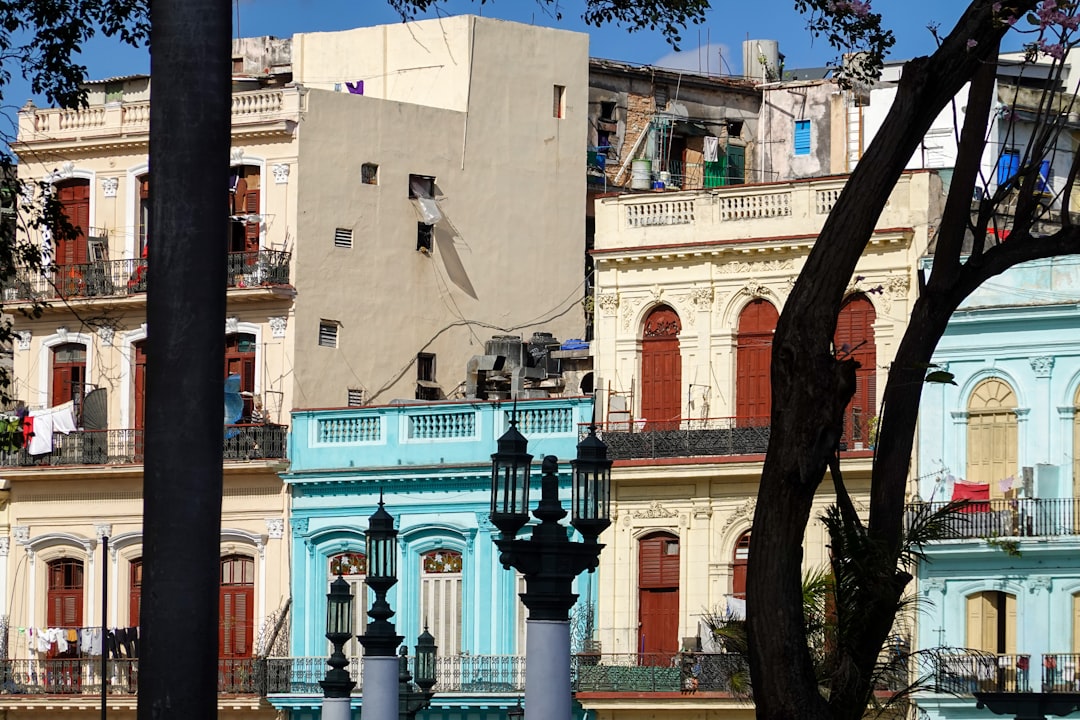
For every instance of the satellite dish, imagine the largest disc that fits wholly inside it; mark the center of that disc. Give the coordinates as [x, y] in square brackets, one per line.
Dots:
[95, 410]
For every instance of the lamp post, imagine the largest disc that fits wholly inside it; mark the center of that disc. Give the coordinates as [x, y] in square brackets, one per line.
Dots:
[337, 686]
[416, 696]
[549, 560]
[381, 641]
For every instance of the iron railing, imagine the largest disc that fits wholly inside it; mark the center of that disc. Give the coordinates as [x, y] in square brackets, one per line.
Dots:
[82, 676]
[704, 437]
[650, 672]
[112, 278]
[1019, 517]
[125, 447]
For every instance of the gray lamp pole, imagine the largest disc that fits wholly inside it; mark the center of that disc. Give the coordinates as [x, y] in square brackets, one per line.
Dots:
[549, 560]
[338, 685]
[380, 641]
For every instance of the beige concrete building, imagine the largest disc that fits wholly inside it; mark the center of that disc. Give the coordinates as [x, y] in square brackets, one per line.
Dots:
[399, 194]
[688, 289]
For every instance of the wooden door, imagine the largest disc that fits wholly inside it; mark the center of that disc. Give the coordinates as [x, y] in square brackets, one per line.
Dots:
[65, 599]
[68, 374]
[661, 370]
[658, 597]
[738, 566]
[74, 198]
[240, 360]
[992, 448]
[855, 330]
[140, 385]
[135, 595]
[753, 360]
[236, 609]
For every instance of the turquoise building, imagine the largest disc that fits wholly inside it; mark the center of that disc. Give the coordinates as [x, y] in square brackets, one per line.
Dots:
[431, 463]
[1006, 437]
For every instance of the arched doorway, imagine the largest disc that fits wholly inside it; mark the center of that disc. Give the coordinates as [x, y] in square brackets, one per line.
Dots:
[753, 360]
[661, 369]
[855, 331]
[658, 597]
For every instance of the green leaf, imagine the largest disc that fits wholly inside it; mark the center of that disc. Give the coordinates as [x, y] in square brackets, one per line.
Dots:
[940, 376]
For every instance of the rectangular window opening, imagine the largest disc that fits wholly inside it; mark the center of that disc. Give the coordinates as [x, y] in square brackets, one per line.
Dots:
[426, 387]
[802, 137]
[328, 333]
[425, 237]
[607, 111]
[421, 186]
[369, 174]
[343, 237]
[559, 102]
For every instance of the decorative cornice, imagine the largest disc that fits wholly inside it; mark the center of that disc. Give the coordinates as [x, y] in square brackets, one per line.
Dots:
[299, 526]
[108, 186]
[278, 324]
[1039, 582]
[656, 510]
[275, 528]
[281, 173]
[608, 303]
[1042, 365]
[744, 511]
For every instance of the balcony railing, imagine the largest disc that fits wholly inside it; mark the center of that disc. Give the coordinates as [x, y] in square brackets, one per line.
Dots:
[236, 676]
[706, 437]
[969, 673]
[1021, 517]
[125, 447]
[644, 672]
[118, 278]
[483, 674]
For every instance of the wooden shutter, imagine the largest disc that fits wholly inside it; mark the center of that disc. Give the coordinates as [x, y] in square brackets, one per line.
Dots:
[753, 360]
[1010, 623]
[140, 385]
[855, 329]
[738, 566]
[135, 597]
[658, 561]
[992, 435]
[1076, 623]
[74, 198]
[661, 369]
[802, 137]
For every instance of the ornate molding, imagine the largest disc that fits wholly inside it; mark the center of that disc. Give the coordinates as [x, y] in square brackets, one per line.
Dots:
[108, 186]
[299, 526]
[656, 510]
[5, 546]
[608, 303]
[275, 528]
[102, 530]
[744, 511]
[755, 289]
[701, 298]
[484, 524]
[106, 335]
[278, 323]
[737, 267]
[21, 533]
[1039, 583]
[1042, 365]
[630, 306]
[24, 339]
[281, 173]
[932, 585]
[237, 156]
[62, 333]
[232, 325]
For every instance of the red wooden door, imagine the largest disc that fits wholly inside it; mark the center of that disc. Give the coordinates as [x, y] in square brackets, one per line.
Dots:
[661, 370]
[65, 599]
[236, 609]
[135, 599]
[240, 360]
[74, 198]
[140, 385]
[68, 374]
[753, 361]
[855, 330]
[658, 597]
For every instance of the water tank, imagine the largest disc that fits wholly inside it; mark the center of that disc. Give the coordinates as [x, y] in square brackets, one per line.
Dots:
[508, 346]
[761, 60]
[641, 175]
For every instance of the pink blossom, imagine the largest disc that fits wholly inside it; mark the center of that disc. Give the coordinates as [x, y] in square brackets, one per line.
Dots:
[972, 43]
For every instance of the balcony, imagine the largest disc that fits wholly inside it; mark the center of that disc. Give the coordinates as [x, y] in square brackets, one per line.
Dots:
[122, 278]
[964, 674]
[708, 437]
[1021, 517]
[684, 673]
[125, 447]
[82, 676]
[463, 674]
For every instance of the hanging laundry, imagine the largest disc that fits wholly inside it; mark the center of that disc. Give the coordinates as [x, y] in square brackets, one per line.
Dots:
[356, 88]
[1006, 484]
[41, 441]
[64, 417]
[973, 493]
[711, 148]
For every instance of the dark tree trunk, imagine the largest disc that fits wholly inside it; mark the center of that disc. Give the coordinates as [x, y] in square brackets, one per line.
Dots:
[189, 164]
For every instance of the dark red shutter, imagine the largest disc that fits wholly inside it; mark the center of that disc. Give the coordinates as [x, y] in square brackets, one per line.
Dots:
[661, 369]
[658, 595]
[753, 360]
[855, 329]
[74, 197]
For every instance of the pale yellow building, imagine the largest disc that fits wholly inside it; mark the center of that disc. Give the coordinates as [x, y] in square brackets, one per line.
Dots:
[688, 288]
[398, 195]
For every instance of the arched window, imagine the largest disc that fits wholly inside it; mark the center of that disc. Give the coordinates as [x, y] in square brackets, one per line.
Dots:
[855, 331]
[753, 359]
[738, 566]
[992, 436]
[991, 622]
[135, 598]
[352, 567]
[65, 598]
[661, 369]
[440, 598]
[237, 611]
[658, 595]
[68, 374]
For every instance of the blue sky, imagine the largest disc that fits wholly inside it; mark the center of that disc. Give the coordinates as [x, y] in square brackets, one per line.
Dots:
[728, 24]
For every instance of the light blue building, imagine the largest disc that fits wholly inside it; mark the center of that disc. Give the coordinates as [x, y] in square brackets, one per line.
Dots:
[1006, 437]
[431, 463]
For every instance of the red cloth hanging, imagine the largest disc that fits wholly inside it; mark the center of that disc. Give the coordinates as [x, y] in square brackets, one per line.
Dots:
[973, 493]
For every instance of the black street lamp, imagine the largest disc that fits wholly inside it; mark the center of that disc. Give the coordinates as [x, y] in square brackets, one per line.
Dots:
[380, 640]
[517, 712]
[337, 686]
[416, 696]
[549, 560]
